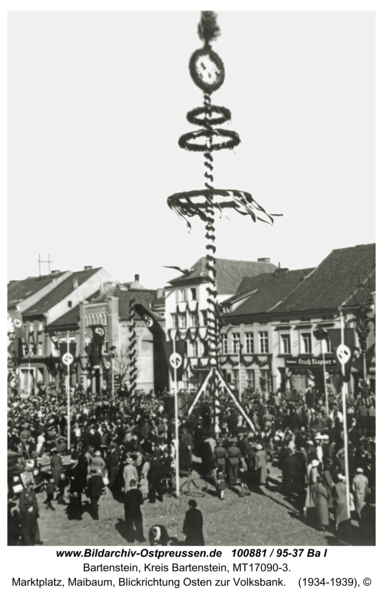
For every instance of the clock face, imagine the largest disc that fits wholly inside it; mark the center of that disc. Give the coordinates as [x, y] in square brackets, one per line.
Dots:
[207, 70]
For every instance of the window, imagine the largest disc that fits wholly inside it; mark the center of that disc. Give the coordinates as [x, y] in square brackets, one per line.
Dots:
[263, 342]
[306, 343]
[181, 295]
[69, 303]
[224, 343]
[40, 349]
[193, 349]
[236, 340]
[193, 293]
[204, 317]
[326, 346]
[182, 319]
[194, 320]
[285, 343]
[250, 374]
[174, 321]
[249, 343]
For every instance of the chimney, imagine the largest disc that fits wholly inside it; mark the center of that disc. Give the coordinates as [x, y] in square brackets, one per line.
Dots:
[264, 260]
[136, 278]
[160, 293]
[55, 272]
[88, 267]
[75, 282]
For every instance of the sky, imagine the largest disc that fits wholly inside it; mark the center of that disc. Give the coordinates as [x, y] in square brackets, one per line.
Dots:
[97, 102]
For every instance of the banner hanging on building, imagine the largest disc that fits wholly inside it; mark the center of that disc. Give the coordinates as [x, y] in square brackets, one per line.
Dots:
[150, 320]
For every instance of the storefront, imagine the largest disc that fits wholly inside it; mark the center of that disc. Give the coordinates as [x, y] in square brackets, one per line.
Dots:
[302, 371]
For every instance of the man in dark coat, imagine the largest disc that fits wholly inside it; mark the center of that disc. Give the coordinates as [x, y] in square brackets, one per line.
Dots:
[133, 516]
[155, 475]
[95, 489]
[193, 526]
[292, 473]
[28, 514]
[113, 462]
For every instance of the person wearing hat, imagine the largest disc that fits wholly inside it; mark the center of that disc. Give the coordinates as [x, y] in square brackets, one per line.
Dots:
[56, 466]
[313, 474]
[360, 490]
[321, 497]
[95, 489]
[133, 517]
[28, 515]
[113, 462]
[193, 526]
[342, 521]
[234, 459]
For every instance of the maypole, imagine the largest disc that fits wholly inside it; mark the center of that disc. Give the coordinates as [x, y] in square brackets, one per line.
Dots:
[208, 73]
[132, 351]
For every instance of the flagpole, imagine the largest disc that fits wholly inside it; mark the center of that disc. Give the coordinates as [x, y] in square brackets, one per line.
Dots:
[68, 394]
[324, 377]
[345, 433]
[176, 421]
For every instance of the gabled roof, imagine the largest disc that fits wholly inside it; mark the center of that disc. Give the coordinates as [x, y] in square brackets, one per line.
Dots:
[70, 318]
[229, 273]
[335, 281]
[144, 297]
[25, 288]
[61, 291]
[268, 289]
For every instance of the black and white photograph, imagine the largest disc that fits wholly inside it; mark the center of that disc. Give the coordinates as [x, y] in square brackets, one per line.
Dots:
[191, 291]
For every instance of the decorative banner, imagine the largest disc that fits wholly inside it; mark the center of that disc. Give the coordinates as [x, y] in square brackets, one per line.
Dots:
[349, 341]
[54, 339]
[181, 350]
[98, 334]
[150, 320]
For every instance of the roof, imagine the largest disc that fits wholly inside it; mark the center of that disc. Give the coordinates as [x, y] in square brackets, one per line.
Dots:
[266, 289]
[72, 317]
[24, 288]
[61, 291]
[337, 280]
[229, 273]
[144, 297]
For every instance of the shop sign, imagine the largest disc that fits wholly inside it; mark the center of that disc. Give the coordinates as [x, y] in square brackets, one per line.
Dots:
[310, 361]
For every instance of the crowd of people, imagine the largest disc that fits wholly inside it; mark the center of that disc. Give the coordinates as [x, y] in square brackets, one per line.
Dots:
[127, 446]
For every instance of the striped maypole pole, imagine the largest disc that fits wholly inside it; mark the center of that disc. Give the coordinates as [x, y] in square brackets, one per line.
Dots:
[132, 351]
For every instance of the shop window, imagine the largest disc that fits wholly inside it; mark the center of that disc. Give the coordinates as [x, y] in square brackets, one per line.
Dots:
[285, 343]
[306, 343]
[263, 342]
[224, 343]
[236, 341]
[249, 343]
